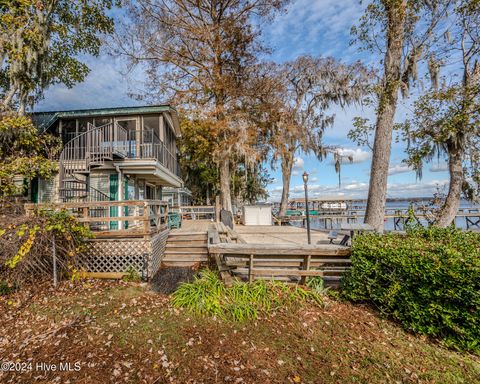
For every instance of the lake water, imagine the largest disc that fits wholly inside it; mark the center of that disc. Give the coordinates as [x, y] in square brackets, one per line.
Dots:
[359, 207]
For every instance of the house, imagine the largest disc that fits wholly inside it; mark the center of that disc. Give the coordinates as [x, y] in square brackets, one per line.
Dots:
[111, 154]
[113, 167]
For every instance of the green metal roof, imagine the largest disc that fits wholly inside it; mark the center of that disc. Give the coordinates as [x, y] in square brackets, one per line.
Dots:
[44, 120]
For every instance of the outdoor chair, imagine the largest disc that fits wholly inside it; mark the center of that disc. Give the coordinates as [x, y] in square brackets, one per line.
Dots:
[345, 240]
[332, 235]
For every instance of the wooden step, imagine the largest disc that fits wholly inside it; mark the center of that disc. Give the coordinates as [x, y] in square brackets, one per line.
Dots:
[195, 237]
[177, 232]
[182, 240]
[184, 246]
[176, 253]
[186, 257]
[185, 249]
[183, 264]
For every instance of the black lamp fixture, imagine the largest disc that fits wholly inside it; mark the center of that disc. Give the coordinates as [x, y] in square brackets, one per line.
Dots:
[305, 177]
[307, 213]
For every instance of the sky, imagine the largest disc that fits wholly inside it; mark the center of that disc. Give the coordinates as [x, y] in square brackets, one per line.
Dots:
[313, 27]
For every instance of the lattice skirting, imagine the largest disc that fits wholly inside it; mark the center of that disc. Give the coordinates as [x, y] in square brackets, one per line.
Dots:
[158, 245]
[118, 255]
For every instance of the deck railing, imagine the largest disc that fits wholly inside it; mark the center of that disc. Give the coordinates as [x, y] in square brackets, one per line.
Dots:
[196, 212]
[97, 145]
[290, 262]
[146, 144]
[131, 218]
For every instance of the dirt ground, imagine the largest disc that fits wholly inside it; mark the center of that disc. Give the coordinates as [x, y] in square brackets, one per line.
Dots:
[116, 332]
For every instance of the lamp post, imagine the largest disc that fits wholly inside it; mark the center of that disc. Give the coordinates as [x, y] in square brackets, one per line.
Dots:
[305, 181]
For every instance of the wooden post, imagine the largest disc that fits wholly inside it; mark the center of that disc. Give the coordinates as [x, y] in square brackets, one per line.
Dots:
[146, 218]
[306, 267]
[250, 267]
[54, 251]
[217, 209]
[85, 215]
[166, 216]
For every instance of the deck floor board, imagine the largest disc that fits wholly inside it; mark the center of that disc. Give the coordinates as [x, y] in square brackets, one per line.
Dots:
[278, 234]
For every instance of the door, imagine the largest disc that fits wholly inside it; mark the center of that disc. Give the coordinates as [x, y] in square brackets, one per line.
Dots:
[113, 197]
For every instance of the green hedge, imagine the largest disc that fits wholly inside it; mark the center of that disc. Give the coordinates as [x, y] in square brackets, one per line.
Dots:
[428, 279]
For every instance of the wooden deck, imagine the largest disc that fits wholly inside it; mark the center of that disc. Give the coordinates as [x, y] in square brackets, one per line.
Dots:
[193, 226]
[262, 234]
[279, 253]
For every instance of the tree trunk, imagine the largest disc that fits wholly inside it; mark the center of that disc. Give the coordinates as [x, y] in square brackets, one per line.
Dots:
[8, 98]
[456, 155]
[452, 202]
[287, 165]
[225, 197]
[377, 191]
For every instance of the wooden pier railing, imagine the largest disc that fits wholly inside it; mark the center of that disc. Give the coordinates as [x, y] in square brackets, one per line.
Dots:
[130, 218]
[399, 218]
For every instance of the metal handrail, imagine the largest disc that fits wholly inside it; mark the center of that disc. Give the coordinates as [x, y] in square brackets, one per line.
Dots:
[80, 153]
[97, 144]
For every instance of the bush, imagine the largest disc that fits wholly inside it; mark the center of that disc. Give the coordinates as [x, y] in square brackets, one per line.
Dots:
[207, 295]
[429, 280]
[25, 153]
[27, 241]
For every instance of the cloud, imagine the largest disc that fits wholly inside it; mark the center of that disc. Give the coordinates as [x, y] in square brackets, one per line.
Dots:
[104, 87]
[359, 190]
[399, 168]
[357, 154]
[439, 167]
[298, 166]
[324, 27]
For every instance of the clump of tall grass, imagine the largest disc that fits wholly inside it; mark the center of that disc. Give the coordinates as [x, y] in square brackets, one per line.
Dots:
[207, 295]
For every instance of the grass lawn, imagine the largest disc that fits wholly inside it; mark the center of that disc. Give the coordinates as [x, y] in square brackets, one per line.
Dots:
[119, 332]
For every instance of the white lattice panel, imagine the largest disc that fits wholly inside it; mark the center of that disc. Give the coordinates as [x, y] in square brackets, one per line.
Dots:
[158, 244]
[119, 255]
[115, 255]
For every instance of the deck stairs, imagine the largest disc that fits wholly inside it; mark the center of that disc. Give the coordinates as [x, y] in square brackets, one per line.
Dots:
[186, 249]
[85, 152]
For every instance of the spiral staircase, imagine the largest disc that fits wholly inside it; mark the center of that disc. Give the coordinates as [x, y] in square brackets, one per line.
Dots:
[85, 152]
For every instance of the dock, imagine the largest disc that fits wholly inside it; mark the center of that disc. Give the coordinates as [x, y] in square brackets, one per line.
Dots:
[265, 252]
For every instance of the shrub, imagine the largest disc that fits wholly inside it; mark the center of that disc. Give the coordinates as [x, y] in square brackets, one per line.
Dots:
[428, 280]
[24, 153]
[207, 295]
[27, 243]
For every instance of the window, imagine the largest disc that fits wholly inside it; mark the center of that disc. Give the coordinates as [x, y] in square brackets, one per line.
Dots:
[130, 127]
[100, 121]
[151, 129]
[83, 124]
[69, 129]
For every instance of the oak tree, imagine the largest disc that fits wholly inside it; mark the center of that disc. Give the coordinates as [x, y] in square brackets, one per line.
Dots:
[197, 54]
[402, 32]
[446, 120]
[40, 41]
[296, 98]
